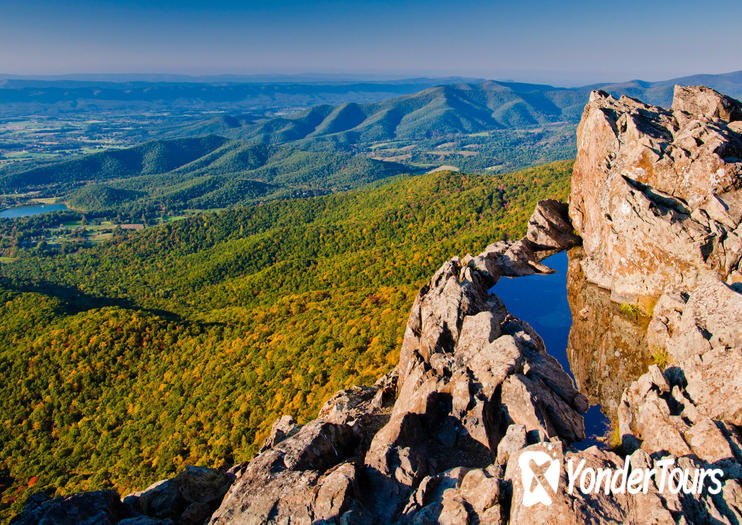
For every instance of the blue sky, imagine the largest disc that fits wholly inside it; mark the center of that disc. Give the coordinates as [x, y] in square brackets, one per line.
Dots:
[562, 42]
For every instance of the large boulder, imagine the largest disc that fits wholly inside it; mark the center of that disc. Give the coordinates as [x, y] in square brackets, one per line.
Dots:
[549, 227]
[703, 102]
[699, 320]
[308, 476]
[189, 498]
[659, 412]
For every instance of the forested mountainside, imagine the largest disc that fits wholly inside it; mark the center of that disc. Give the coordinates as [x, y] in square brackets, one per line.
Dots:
[150, 158]
[182, 343]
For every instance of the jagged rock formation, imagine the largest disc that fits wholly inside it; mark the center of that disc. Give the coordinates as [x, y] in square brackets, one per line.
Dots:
[657, 194]
[450, 435]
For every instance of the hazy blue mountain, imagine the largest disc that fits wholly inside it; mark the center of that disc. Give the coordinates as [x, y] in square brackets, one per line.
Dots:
[660, 93]
[25, 96]
[461, 108]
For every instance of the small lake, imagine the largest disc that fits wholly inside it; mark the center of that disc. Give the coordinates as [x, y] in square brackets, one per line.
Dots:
[29, 211]
[541, 301]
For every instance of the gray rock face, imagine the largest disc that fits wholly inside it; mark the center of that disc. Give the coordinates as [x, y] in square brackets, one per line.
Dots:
[308, 476]
[283, 427]
[189, 498]
[700, 101]
[699, 320]
[657, 194]
[658, 410]
[160, 500]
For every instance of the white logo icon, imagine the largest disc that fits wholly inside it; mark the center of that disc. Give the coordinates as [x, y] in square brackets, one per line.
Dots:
[536, 469]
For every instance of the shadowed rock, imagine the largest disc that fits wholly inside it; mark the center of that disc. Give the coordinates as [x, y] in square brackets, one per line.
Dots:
[189, 498]
[102, 507]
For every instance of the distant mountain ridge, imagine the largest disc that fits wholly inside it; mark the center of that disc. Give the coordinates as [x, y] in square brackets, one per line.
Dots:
[433, 112]
[461, 108]
[27, 96]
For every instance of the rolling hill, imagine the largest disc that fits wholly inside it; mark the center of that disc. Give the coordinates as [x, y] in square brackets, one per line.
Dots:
[198, 173]
[149, 158]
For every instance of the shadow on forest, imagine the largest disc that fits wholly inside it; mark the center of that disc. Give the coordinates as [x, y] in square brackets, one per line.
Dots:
[74, 301]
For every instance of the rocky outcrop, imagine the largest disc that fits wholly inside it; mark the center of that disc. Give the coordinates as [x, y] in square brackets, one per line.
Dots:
[307, 476]
[656, 197]
[100, 507]
[659, 412]
[657, 194]
[188, 499]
